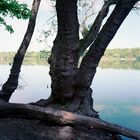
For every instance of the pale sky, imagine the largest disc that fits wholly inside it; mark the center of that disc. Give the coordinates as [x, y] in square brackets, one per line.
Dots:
[127, 36]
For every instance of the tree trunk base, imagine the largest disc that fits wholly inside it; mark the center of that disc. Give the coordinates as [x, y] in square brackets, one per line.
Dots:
[4, 96]
[82, 105]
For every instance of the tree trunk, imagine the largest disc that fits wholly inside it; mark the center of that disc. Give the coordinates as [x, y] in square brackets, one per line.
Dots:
[70, 84]
[11, 84]
[64, 55]
[64, 64]
[92, 58]
[83, 102]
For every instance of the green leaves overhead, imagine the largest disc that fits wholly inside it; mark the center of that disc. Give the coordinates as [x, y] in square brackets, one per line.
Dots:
[12, 8]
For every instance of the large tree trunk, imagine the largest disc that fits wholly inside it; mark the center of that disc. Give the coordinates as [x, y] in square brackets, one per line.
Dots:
[92, 58]
[64, 56]
[64, 63]
[11, 84]
[70, 83]
[89, 39]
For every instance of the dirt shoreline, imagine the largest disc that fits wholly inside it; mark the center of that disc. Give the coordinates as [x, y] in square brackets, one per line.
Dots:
[23, 129]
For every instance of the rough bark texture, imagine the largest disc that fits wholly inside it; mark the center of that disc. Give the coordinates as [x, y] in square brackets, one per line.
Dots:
[11, 84]
[83, 102]
[70, 84]
[63, 118]
[90, 61]
[63, 61]
[23, 129]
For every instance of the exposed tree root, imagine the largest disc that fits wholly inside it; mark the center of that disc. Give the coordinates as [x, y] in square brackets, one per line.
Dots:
[43, 102]
[62, 118]
[81, 103]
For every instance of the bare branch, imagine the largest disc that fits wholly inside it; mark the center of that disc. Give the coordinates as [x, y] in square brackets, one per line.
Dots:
[93, 32]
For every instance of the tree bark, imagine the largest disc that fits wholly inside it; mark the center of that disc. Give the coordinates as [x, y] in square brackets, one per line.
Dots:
[64, 55]
[83, 102]
[70, 84]
[11, 84]
[62, 118]
[94, 30]
[89, 39]
[92, 58]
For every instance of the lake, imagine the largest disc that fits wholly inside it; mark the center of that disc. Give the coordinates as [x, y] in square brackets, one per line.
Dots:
[116, 92]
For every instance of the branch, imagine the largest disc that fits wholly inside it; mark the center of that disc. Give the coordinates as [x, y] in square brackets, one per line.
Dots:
[62, 118]
[12, 82]
[92, 58]
[96, 26]
[87, 15]
[93, 32]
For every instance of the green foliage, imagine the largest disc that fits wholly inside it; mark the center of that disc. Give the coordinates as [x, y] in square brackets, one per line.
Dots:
[112, 59]
[12, 8]
[126, 53]
[44, 54]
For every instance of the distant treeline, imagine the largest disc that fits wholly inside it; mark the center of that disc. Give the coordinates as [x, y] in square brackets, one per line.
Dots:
[121, 59]
[122, 54]
[113, 58]
[31, 58]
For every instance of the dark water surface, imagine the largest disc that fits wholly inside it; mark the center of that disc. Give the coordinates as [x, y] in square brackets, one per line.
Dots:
[116, 92]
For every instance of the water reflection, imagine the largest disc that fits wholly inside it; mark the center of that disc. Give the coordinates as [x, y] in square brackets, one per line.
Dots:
[117, 96]
[116, 91]
[125, 115]
[38, 81]
[120, 64]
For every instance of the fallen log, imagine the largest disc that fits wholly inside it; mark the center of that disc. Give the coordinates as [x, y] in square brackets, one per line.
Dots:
[62, 118]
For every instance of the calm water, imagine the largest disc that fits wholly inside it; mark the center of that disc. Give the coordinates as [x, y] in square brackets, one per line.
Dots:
[116, 92]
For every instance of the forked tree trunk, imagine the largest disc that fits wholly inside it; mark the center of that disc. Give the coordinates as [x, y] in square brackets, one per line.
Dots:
[11, 84]
[71, 84]
[92, 58]
[64, 55]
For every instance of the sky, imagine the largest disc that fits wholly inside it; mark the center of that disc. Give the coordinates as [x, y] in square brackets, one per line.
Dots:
[126, 37]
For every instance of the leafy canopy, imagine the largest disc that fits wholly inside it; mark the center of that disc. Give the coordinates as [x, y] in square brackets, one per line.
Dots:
[12, 8]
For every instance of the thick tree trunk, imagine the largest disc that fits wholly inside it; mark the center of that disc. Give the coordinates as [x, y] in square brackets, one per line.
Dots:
[83, 102]
[70, 84]
[62, 118]
[64, 63]
[11, 84]
[64, 56]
